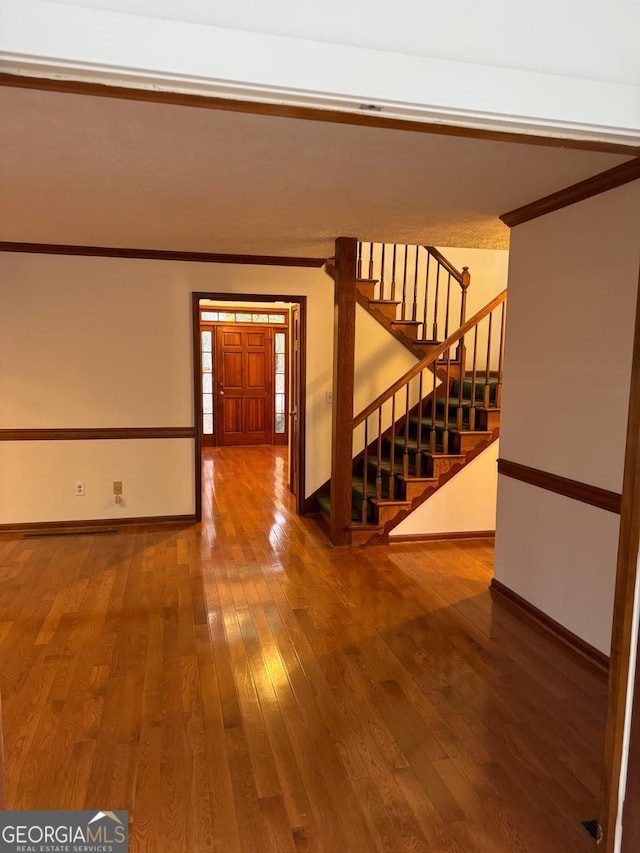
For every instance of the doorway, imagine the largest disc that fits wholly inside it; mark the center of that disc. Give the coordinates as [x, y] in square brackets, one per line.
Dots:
[249, 384]
[245, 368]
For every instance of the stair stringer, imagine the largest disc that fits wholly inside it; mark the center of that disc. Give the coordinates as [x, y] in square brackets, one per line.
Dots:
[419, 351]
[380, 535]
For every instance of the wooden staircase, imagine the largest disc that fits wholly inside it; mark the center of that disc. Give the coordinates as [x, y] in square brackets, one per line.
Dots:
[444, 411]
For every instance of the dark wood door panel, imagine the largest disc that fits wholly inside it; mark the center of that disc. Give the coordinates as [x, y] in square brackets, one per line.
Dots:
[230, 370]
[257, 369]
[245, 387]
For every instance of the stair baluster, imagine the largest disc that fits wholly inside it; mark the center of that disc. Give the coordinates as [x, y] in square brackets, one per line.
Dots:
[414, 307]
[472, 411]
[370, 260]
[359, 261]
[405, 455]
[403, 312]
[447, 390]
[426, 297]
[392, 455]
[379, 460]
[487, 388]
[447, 305]
[432, 434]
[381, 285]
[501, 358]
[460, 411]
[434, 334]
[393, 274]
[420, 427]
[365, 471]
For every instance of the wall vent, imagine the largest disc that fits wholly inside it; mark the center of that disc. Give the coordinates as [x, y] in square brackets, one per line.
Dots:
[98, 531]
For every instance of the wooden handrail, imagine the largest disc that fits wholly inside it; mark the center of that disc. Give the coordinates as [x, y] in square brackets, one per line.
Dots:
[440, 258]
[429, 359]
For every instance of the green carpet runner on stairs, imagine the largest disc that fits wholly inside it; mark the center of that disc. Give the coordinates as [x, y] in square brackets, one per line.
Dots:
[426, 425]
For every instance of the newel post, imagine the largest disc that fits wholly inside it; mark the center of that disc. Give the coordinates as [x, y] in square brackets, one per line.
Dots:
[464, 286]
[344, 333]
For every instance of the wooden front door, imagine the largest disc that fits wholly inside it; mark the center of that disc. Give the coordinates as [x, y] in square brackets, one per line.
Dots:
[244, 387]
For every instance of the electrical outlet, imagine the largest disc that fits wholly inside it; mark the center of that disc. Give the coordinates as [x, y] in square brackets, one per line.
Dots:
[328, 397]
[117, 487]
[79, 488]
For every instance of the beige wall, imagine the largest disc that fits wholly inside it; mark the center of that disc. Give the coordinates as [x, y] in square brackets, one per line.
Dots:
[466, 503]
[380, 359]
[573, 278]
[489, 269]
[98, 342]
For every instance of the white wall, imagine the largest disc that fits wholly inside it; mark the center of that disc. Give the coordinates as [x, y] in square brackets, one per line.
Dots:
[464, 30]
[458, 64]
[99, 342]
[573, 278]
[465, 504]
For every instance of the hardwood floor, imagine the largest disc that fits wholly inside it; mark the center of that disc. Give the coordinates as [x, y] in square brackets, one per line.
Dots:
[248, 688]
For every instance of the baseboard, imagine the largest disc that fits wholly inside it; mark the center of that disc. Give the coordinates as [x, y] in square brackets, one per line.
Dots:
[437, 537]
[537, 617]
[97, 524]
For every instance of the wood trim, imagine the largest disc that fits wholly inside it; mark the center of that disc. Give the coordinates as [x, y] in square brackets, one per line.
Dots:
[3, 802]
[592, 495]
[302, 410]
[159, 254]
[440, 258]
[604, 181]
[631, 813]
[241, 309]
[96, 524]
[197, 401]
[304, 113]
[439, 537]
[623, 610]
[537, 617]
[344, 334]
[96, 433]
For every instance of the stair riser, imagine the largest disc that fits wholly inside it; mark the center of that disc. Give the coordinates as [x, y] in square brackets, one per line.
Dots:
[488, 419]
[389, 311]
[367, 288]
[439, 465]
[415, 489]
[409, 329]
[465, 442]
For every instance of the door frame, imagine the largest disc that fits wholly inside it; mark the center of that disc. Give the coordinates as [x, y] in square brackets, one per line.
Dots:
[241, 298]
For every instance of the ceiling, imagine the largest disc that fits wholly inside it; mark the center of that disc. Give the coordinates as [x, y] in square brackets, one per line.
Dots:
[86, 170]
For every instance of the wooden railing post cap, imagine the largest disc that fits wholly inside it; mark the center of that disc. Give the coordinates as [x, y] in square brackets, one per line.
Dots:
[466, 277]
